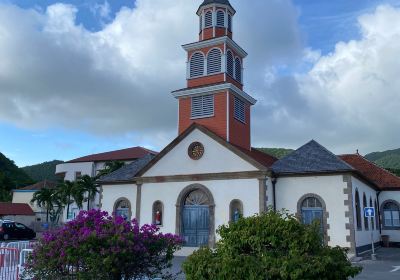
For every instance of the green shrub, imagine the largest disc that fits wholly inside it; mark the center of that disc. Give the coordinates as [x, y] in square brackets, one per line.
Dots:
[273, 246]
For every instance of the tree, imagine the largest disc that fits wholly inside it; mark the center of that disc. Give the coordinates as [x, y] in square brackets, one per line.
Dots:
[66, 190]
[110, 167]
[88, 185]
[98, 246]
[273, 246]
[44, 198]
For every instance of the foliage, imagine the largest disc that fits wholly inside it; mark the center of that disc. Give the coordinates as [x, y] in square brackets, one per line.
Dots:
[276, 152]
[274, 246]
[43, 171]
[67, 190]
[386, 159]
[11, 177]
[98, 246]
[110, 167]
[48, 199]
[87, 185]
[394, 171]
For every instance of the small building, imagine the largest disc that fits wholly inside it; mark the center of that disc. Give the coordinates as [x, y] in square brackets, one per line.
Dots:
[18, 212]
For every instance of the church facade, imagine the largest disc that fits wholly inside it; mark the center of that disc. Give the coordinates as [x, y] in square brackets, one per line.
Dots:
[210, 175]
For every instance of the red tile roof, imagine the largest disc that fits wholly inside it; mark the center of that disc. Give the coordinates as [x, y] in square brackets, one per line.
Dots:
[8, 208]
[261, 157]
[125, 154]
[381, 177]
[40, 185]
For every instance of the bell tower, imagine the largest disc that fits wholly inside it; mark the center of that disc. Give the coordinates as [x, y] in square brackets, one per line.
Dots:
[214, 95]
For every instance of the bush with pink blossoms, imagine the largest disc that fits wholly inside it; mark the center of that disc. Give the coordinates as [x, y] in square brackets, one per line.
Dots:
[98, 246]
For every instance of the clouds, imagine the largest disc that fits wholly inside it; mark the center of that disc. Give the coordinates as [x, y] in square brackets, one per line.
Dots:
[117, 81]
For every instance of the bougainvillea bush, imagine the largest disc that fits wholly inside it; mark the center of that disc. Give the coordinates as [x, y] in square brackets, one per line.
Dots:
[98, 246]
[273, 246]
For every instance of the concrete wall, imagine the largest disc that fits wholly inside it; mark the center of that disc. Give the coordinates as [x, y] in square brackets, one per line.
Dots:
[364, 237]
[394, 235]
[70, 169]
[216, 159]
[26, 220]
[289, 190]
[112, 193]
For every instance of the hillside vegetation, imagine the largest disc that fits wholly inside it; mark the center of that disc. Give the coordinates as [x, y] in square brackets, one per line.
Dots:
[388, 159]
[276, 152]
[43, 171]
[11, 177]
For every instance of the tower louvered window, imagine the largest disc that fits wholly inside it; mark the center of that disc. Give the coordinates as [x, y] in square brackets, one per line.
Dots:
[201, 23]
[229, 63]
[229, 22]
[221, 18]
[208, 20]
[240, 110]
[214, 62]
[202, 106]
[238, 70]
[197, 65]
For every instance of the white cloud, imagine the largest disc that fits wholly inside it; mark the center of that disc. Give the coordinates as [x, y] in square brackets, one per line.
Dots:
[56, 73]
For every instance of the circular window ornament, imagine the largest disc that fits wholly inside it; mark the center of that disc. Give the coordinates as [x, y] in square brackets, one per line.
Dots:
[196, 150]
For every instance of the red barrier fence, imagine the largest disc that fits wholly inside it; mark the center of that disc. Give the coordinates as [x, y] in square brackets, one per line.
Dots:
[9, 260]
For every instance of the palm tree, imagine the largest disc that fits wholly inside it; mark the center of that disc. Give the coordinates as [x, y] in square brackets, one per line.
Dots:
[44, 198]
[66, 190]
[89, 186]
[78, 194]
[109, 167]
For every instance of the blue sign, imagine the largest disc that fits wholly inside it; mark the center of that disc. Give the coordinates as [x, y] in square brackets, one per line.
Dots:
[369, 212]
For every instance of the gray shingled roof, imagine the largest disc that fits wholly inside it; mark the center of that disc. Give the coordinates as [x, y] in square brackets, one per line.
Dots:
[222, 2]
[127, 172]
[310, 158]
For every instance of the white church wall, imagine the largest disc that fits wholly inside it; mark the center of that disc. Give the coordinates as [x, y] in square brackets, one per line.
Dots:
[289, 190]
[216, 159]
[223, 191]
[363, 236]
[112, 193]
[394, 235]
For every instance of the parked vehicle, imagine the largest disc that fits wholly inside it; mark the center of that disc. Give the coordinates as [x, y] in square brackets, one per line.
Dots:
[13, 230]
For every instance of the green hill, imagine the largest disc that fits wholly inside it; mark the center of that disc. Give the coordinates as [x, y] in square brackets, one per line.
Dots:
[11, 177]
[43, 171]
[389, 160]
[276, 152]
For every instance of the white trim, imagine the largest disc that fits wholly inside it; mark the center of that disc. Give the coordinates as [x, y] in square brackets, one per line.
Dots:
[214, 89]
[212, 42]
[227, 116]
[233, 11]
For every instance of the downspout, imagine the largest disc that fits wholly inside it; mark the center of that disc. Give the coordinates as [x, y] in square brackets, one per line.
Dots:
[378, 212]
[274, 179]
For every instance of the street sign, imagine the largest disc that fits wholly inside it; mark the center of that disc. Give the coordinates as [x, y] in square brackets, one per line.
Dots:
[369, 212]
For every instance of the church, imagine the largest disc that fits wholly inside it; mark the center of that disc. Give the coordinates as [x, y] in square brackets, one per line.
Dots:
[210, 175]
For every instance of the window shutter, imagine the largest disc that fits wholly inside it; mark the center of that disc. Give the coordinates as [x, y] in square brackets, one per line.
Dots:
[197, 65]
[208, 19]
[221, 18]
[240, 110]
[214, 62]
[202, 106]
[230, 63]
[238, 70]
[229, 22]
[201, 23]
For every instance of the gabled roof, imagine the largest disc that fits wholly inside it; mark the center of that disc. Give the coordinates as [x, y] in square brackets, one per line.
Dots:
[8, 208]
[40, 185]
[381, 177]
[124, 154]
[311, 158]
[127, 172]
[256, 158]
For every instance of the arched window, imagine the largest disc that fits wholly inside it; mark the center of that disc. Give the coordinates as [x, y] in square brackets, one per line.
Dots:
[214, 61]
[197, 65]
[358, 210]
[372, 219]
[158, 213]
[391, 215]
[235, 210]
[229, 22]
[122, 208]
[221, 18]
[376, 215]
[238, 70]
[208, 20]
[366, 224]
[312, 210]
[229, 63]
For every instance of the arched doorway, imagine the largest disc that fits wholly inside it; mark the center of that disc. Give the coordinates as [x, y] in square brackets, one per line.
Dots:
[195, 222]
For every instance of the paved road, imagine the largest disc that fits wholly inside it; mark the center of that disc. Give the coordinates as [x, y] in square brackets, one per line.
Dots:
[387, 267]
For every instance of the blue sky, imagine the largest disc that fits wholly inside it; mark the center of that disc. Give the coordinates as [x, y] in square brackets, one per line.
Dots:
[321, 24]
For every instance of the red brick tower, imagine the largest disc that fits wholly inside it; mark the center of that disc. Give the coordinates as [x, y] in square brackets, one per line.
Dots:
[214, 95]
